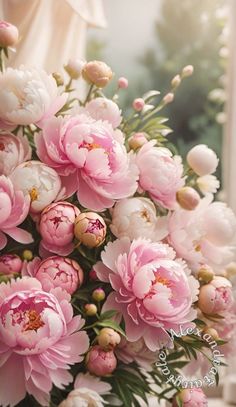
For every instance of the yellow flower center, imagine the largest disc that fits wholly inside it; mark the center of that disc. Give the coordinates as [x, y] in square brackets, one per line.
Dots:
[34, 321]
[34, 194]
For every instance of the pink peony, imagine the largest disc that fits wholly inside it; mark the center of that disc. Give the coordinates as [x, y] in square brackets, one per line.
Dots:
[204, 235]
[14, 150]
[216, 296]
[104, 109]
[10, 264]
[57, 227]
[39, 339]
[100, 362]
[129, 352]
[91, 157]
[28, 96]
[8, 34]
[55, 272]
[202, 159]
[151, 289]
[161, 175]
[192, 398]
[14, 208]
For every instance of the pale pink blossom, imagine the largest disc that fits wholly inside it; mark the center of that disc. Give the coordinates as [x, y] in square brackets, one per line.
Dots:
[39, 181]
[100, 362]
[8, 34]
[39, 339]
[216, 296]
[136, 217]
[90, 229]
[55, 271]
[104, 109]
[87, 392]
[14, 207]
[151, 289]
[202, 160]
[97, 73]
[28, 96]
[56, 227]
[129, 352]
[208, 184]
[10, 264]
[14, 150]
[91, 157]
[161, 174]
[193, 397]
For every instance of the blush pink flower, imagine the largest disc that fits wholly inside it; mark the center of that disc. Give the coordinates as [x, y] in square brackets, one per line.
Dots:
[151, 289]
[104, 109]
[216, 296]
[8, 34]
[192, 398]
[161, 175]
[100, 362]
[14, 150]
[14, 207]
[91, 158]
[10, 264]
[56, 227]
[28, 96]
[138, 352]
[55, 271]
[39, 336]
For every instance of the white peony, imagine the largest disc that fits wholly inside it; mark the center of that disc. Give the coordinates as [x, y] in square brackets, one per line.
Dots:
[136, 217]
[27, 96]
[38, 180]
[208, 184]
[13, 151]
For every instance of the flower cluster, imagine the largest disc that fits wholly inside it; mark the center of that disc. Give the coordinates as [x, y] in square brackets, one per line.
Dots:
[109, 242]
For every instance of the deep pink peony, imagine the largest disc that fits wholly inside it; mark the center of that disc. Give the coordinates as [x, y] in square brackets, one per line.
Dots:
[192, 398]
[55, 271]
[39, 340]
[161, 175]
[91, 158]
[14, 207]
[14, 150]
[57, 227]
[100, 362]
[151, 289]
[10, 264]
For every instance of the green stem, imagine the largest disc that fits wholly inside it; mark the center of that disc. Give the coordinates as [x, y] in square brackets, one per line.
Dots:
[89, 93]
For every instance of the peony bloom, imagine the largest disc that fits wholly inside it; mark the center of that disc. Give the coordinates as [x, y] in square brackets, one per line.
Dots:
[74, 68]
[100, 362]
[10, 264]
[204, 235]
[91, 157]
[191, 398]
[90, 229]
[104, 109]
[14, 150]
[38, 181]
[202, 160]
[97, 73]
[8, 34]
[28, 96]
[151, 289]
[129, 352]
[57, 227]
[208, 184]
[161, 175]
[40, 337]
[216, 296]
[55, 272]
[14, 207]
[136, 217]
[87, 392]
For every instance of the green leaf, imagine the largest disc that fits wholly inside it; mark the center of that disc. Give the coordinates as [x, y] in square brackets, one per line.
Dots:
[111, 324]
[108, 314]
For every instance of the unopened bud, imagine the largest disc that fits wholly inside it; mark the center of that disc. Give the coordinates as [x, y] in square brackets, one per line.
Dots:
[90, 309]
[168, 98]
[205, 274]
[58, 78]
[98, 295]
[187, 71]
[188, 198]
[27, 255]
[137, 140]
[138, 104]
[176, 81]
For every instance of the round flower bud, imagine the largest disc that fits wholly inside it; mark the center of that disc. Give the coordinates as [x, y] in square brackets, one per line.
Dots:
[98, 295]
[74, 68]
[176, 81]
[100, 362]
[137, 140]
[108, 338]
[211, 332]
[10, 264]
[190, 398]
[58, 78]
[205, 274]
[123, 83]
[90, 229]
[187, 71]
[90, 309]
[188, 198]
[138, 104]
[168, 98]
[27, 255]
[97, 73]
[8, 34]
[216, 296]
[202, 160]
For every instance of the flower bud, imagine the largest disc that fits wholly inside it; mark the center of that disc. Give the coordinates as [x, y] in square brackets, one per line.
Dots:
[74, 68]
[8, 34]
[100, 362]
[188, 198]
[97, 73]
[202, 160]
[191, 397]
[123, 83]
[98, 295]
[93, 275]
[168, 98]
[27, 255]
[205, 274]
[212, 332]
[216, 296]
[90, 309]
[58, 78]
[137, 140]
[138, 104]
[108, 338]
[187, 71]
[10, 264]
[90, 229]
[176, 81]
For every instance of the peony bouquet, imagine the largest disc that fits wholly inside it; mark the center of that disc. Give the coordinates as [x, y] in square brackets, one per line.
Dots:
[114, 255]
